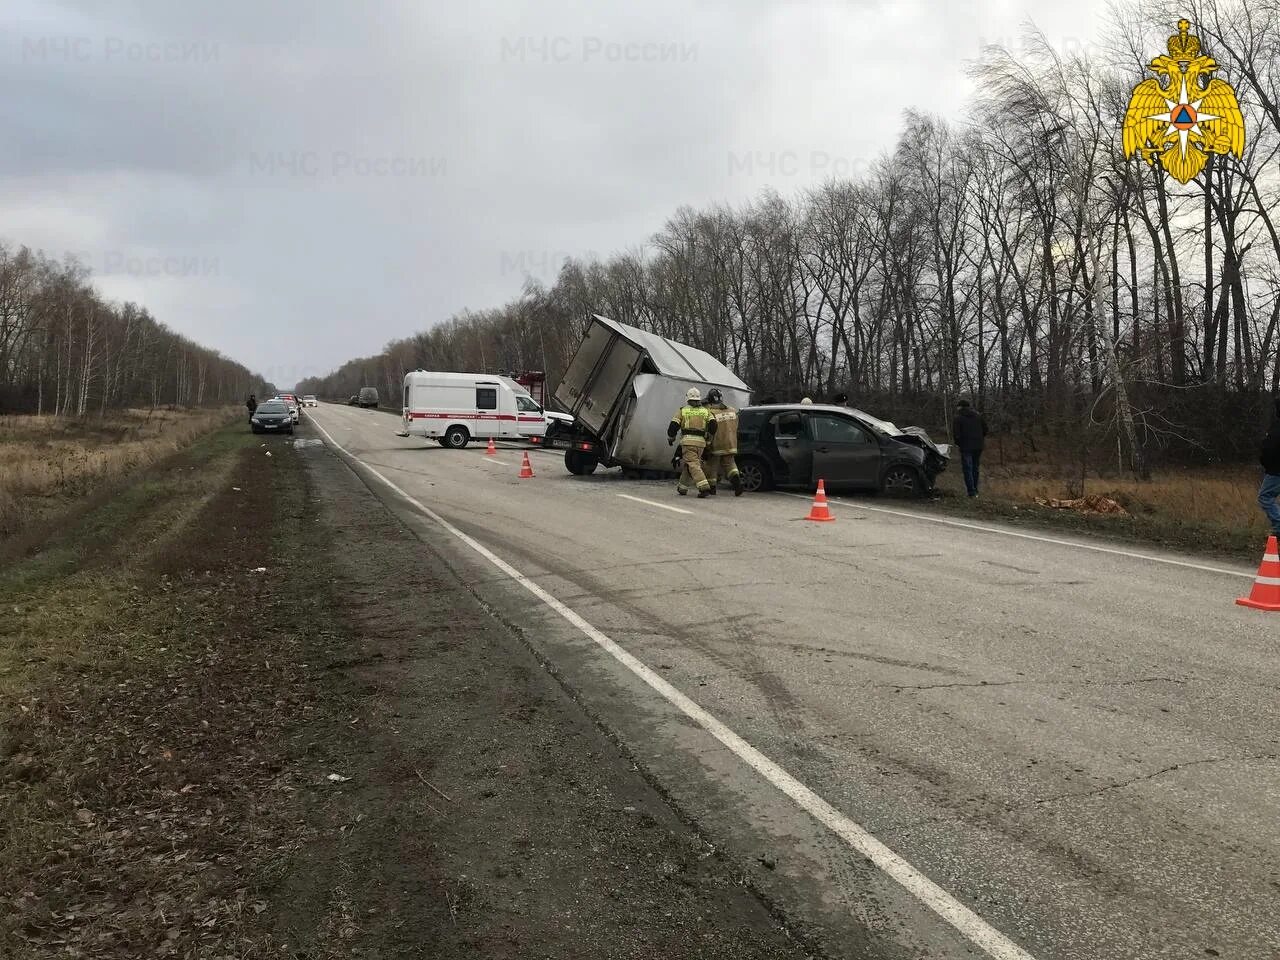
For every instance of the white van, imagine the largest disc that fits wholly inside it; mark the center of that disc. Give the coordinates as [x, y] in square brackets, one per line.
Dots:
[456, 408]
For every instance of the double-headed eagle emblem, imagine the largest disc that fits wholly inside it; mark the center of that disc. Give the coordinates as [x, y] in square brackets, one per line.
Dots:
[1188, 117]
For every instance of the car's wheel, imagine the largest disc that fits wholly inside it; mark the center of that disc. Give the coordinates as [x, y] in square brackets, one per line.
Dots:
[902, 481]
[755, 475]
[455, 438]
[580, 464]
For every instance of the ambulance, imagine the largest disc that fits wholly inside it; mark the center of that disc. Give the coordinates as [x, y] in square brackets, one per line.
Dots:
[455, 408]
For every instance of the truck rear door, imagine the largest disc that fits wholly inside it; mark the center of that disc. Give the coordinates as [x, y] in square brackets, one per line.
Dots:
[597, 377]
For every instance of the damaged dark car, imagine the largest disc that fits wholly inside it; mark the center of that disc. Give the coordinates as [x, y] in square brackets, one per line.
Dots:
[795, 445]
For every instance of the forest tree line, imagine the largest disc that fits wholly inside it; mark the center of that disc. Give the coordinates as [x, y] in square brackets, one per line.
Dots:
[1017, 258]
[66, 351]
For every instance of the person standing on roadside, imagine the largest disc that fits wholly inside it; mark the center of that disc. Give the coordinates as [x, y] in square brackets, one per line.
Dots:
[723, 446]
[1269, 493]
[695, 425]
[252, 404]
[969, 431]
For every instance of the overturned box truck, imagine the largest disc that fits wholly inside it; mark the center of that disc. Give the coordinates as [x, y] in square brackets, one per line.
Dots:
[622, 388]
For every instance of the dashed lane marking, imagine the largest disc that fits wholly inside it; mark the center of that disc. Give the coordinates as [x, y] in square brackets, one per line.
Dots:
[964, 920]
[654, 503]
[1031, 536]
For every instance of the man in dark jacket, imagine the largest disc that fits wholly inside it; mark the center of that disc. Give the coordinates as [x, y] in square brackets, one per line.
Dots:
[969, 431]
[252, 404]
[1270, 491]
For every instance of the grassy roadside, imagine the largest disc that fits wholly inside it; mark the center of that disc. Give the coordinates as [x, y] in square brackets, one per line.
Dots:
[201, 760]
[1211, 511]
[49, 463]
[146, 678]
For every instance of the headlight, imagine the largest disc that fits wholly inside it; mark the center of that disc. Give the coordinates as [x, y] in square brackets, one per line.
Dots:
[255, 419]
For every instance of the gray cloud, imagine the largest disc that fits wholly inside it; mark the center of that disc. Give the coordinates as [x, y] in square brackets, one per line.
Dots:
[295, 183]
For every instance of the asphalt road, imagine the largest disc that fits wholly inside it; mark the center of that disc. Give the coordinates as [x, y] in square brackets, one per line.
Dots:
[1066, 752]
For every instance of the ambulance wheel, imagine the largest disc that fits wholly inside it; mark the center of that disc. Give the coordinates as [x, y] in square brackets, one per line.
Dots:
[455, 438]
[580, 464]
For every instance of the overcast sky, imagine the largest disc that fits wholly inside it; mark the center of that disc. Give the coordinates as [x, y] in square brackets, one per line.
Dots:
[296, 183]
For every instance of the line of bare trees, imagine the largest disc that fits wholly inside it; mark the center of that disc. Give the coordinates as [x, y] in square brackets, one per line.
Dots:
[64, 350]
[1017, 258]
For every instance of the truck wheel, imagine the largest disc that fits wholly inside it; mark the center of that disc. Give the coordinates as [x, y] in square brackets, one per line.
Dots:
[455, 438]
[580, 464]
[902, 482]
[755, 475]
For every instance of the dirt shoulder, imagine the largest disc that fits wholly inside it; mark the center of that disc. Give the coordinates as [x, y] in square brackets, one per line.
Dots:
[342, 755]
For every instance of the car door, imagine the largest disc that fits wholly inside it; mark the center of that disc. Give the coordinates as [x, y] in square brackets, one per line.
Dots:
[844, 454]
[485, 421]
[794, 450]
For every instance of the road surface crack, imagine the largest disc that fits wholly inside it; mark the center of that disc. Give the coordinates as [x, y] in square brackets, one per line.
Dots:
[1151, 776]
[942, 686]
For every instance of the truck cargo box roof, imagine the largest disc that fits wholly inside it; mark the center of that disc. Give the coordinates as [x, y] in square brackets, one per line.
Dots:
[672, 359]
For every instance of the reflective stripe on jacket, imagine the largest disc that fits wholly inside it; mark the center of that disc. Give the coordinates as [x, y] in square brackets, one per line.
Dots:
[695, 425]
[726, 435]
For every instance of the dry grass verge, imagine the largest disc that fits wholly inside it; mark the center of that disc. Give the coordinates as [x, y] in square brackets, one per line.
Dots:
[146, 678]
[48, 462]
[1210, 509]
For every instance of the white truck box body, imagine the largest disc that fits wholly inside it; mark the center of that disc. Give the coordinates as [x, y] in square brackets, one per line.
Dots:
[624, 384]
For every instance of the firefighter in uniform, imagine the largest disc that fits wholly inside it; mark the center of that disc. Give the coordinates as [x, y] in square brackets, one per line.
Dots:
[723, 447]
[695, 424]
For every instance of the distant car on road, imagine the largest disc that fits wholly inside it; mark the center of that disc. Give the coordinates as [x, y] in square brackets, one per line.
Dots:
[272, 416]
[295, 405]
[795, 445]
[353, 401]
[368, 397]
[310, 400]
[295, 414]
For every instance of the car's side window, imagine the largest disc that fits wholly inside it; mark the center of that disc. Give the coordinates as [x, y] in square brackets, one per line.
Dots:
[836, 430]
[788, 425]
[486, 398]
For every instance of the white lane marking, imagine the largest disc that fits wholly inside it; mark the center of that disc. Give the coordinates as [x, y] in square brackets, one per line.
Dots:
[965, 921]
[1030, 536]
[654, 503]
[501, 463]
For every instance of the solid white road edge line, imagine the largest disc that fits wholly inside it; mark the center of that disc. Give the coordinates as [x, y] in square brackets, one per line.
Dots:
[654, 503]
[964, 920]
[1031, 536]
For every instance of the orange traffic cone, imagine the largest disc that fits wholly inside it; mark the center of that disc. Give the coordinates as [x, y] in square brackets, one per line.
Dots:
[491, 450]
[526, 468]
[820, 511]
[1266, 589]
